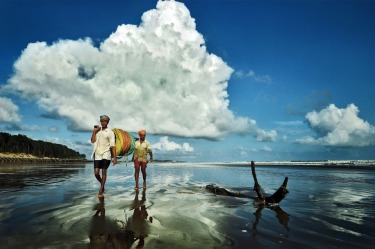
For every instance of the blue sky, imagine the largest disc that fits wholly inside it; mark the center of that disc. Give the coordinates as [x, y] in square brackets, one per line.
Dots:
[209, 80]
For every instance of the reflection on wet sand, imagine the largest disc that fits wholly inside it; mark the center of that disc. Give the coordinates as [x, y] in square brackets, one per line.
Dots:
[16, 177]
[108, 233]
[138, 222]
[64, 212]
[281, 215]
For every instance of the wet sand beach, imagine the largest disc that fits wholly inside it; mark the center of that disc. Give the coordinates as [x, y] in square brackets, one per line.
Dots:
[56, 206]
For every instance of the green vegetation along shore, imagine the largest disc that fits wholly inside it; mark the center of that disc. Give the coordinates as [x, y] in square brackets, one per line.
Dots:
[27, 158]
[19, 148]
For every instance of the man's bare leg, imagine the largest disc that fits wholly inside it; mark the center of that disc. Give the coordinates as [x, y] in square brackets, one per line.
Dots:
[97, 175]
[102, 182]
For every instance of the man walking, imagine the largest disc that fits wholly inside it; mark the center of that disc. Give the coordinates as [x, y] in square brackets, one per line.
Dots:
[104, 149]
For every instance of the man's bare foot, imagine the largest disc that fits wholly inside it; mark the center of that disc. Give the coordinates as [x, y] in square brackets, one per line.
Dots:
[101, 191]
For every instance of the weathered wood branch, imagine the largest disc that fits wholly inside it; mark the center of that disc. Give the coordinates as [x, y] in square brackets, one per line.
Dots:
[257, 187]
[222, 191]
[277, 197]
[280, 194]
[261, 199]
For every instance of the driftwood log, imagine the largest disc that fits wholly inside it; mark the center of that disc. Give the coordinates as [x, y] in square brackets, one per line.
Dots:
[261, 199]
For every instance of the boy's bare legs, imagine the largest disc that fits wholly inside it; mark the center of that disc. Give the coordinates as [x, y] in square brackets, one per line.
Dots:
[144, 176]
[136, 177]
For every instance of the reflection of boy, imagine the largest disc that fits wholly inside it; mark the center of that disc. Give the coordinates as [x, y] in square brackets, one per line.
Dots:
[138, 223]
[140, 212]
[142, 148]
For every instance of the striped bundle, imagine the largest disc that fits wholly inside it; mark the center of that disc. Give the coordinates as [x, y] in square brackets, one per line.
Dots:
[125, 142]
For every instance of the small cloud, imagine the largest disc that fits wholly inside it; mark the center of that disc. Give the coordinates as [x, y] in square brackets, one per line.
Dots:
[164, 145]
[54, 140]
[245, 151]
[239, 74]
[252, 75]
[258, 78]
[339, 127]
[266, 136]
[266, 149]
[53, 129]
[8, 111]
[289, 123]
[307, 140]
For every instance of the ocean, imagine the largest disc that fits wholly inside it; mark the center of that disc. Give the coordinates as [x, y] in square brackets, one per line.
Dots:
[56, 206]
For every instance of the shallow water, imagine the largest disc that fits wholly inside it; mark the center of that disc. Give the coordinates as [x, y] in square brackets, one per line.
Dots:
[55, 206]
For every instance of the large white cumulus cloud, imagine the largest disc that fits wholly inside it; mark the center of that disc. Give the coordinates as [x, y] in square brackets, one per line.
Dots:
[157, 76]
[339, 127]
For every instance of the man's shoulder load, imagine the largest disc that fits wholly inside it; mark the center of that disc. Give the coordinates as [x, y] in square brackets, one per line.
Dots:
[125, 142]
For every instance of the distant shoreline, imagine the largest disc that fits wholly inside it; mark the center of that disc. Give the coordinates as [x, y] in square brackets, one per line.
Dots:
[28, 158]
[355, 164]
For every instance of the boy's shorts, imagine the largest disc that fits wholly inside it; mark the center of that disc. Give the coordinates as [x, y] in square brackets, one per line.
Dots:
[138, 164]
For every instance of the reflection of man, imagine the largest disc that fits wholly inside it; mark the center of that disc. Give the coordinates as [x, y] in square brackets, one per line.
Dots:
[105, 232]
[100, 209]
[100, 227]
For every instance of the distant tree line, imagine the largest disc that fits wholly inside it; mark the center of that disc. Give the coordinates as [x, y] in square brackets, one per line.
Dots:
[22, 144]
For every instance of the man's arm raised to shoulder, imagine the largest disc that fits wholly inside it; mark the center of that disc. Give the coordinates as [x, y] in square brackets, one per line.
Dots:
[94, 131]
